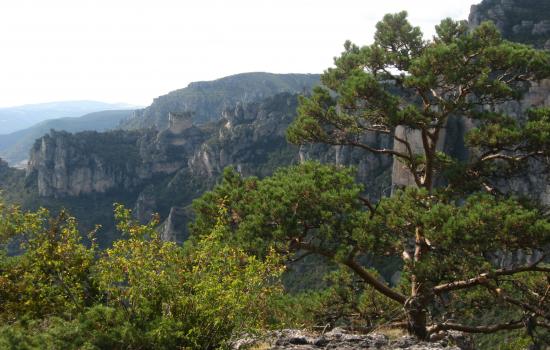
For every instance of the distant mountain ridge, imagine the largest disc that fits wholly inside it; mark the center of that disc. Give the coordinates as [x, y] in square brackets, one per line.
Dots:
[206, 100]
[21, 117]
[15, 147]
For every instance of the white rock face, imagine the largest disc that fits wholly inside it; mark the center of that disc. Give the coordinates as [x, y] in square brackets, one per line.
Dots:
[71, 165]
[401, 176]
[179, 122]
[172, 227]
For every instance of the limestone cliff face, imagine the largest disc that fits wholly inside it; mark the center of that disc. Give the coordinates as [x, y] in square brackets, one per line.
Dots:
[67, 164]
[525, 21]
[535, 182]
[174, 228]
[70, 165]
[250, 137]
[163, 171]
[372, 170]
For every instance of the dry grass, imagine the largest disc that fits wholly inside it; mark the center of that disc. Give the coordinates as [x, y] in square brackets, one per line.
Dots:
[391, 332]
[260, 346]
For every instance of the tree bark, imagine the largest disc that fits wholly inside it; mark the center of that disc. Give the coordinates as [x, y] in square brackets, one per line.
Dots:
[416, 318]
[415, 306]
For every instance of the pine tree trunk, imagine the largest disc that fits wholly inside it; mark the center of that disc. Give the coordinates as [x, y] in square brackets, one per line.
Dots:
[415, 306]
[416, 318]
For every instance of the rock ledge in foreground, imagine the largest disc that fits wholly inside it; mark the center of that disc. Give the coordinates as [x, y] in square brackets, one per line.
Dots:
[338, 338]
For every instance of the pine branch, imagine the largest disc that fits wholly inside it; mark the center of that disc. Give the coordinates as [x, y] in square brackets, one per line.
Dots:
[512, 158]
[359, 270]
[475, 329]
[485, 277]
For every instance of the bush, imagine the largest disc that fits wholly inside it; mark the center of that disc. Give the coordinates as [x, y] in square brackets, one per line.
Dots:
[143, 293]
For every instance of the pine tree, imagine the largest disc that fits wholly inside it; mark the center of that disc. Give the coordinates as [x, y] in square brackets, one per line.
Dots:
[444, 227]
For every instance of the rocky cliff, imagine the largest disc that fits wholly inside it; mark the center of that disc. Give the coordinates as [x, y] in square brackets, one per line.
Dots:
[525, 21]
[165, 170]
[528, 22]
[66, 164]
[206, 100]
[250, 137]
[75, 164]
[15, 147]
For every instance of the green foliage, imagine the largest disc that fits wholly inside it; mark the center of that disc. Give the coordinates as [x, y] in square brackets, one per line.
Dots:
[142, 293]
[317, 208]
[287, 204]
[459, 232]
[52, 275]
[12, 184]
[345, 302]
[98, 327]
[197, 299]
[139, 271]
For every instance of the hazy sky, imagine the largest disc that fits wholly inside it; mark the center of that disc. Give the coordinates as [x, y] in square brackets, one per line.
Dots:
[133, 50]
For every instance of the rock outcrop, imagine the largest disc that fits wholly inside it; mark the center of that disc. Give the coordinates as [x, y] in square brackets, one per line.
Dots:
[249, 137]
[163, 171]
[291, 339]
[67, 164]
[174, 228]
[528, 22]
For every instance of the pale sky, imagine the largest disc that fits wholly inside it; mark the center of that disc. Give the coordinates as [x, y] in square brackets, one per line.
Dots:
[134, 50]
